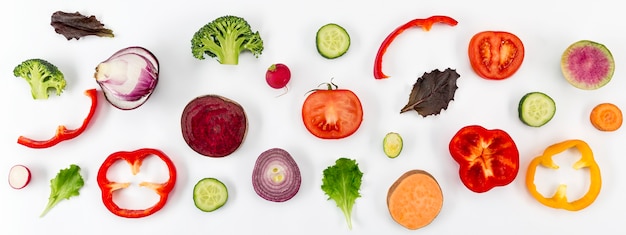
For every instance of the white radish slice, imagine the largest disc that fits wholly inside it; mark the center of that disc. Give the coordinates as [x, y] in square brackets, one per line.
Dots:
[19, 176]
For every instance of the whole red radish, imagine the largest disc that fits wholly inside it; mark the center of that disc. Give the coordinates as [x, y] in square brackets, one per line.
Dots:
[278, 75]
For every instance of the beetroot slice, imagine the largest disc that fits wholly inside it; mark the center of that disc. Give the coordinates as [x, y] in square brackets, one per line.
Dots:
[276, 176]
[213, 125]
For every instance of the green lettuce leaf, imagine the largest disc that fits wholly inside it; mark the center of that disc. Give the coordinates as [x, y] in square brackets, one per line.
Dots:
[342, 183]
[65, 185]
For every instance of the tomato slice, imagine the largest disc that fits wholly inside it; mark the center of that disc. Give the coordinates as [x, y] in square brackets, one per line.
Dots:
[332, 113]
[495, 55]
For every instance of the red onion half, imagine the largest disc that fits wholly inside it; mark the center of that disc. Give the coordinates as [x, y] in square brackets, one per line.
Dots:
[128, 77]
[276, 176]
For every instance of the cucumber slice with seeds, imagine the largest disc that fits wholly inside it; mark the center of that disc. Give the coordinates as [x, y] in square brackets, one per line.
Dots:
[536, 109]
[392, 144]
[332, 41]
[209, 194]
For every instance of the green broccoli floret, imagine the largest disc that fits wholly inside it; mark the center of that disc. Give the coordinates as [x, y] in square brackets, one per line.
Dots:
[225, 38]
[41, 75]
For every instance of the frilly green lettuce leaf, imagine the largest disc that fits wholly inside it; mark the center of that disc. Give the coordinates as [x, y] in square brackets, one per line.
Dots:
[342, 183]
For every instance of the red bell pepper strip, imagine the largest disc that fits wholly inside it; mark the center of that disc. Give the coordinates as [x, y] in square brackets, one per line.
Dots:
[62, 132]
[486, 158]
[426, 24]
[134, 159]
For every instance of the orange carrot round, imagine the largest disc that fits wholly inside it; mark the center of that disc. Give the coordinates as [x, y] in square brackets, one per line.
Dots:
[414, 199]
[606, 117]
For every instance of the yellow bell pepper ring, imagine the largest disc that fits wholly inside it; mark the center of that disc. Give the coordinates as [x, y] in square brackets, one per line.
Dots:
[559, 199]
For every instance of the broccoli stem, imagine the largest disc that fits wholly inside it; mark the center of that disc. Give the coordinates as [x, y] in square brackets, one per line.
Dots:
[37, 88]
[223, 53]
[230, 49]
[230, 58]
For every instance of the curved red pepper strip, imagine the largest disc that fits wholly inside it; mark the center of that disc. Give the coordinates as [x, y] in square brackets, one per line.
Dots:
[62, 132]
[134, 159]
[426, 24]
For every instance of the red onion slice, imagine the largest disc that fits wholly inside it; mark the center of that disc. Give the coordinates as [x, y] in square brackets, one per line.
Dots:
[276, 176]
[128, 77]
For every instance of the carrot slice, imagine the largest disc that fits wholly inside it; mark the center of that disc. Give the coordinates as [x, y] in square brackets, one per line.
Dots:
[415, 199]
[606, 117]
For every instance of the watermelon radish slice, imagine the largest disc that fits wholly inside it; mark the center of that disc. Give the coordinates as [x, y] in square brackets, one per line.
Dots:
[587, 65]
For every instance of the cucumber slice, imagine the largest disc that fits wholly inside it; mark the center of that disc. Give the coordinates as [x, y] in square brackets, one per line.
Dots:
[209, 194]
[536, 109]
[392, 144]
[332, 41]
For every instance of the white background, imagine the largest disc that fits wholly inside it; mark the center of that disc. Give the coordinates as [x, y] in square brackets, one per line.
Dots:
[288, 30]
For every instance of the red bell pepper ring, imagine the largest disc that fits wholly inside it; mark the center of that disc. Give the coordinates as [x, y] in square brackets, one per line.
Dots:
[134, 159]
[426, 25]
[486, 158]
[63, 133]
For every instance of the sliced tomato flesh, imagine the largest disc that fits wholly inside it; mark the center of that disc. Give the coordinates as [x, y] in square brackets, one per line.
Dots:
[332, 114]
[495, 54]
